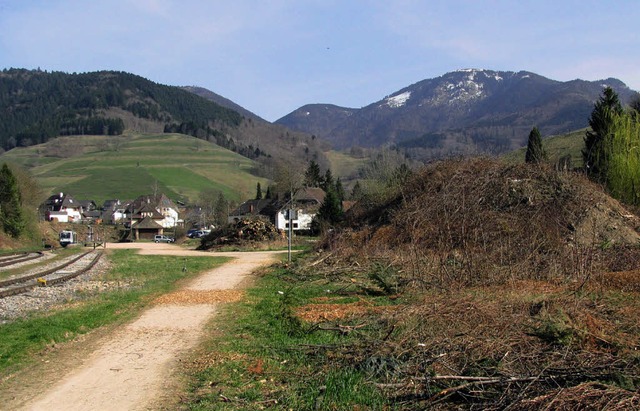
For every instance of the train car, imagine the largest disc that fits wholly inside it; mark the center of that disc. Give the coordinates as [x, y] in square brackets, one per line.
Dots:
[68, 238]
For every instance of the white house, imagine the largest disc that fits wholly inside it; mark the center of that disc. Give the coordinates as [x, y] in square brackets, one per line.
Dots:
[62, 208]
[305, 205]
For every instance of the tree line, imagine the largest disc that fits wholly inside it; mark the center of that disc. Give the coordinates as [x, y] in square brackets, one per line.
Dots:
[205, 132]
[19, 197]
[611, 152]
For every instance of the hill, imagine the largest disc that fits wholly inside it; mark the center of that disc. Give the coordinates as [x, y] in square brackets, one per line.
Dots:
[37, 106]
[462, 112]
[124, 167]
[222, 101]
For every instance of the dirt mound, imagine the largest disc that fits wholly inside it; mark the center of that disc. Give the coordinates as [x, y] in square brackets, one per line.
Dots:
[479, 220]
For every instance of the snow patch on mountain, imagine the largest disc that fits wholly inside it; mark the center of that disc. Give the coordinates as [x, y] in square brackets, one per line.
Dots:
[493, 75]
[398, 100]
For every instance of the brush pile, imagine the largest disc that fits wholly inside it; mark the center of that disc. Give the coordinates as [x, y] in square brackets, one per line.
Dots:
[518, 289]
[479, 221]
[242, 233]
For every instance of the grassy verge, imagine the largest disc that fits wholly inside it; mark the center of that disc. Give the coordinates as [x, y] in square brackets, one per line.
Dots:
[261, 354]
[146, 276]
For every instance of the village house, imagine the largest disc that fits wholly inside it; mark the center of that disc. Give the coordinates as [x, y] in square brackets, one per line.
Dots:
[305, 205]
[90, 211]
[62, 208]
[251, 209]
[149, 215]
[113, 211]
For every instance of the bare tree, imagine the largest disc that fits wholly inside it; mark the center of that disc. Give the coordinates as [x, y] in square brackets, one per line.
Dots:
[288, 178]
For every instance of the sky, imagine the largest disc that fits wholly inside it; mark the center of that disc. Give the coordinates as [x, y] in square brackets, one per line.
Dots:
[274, 56]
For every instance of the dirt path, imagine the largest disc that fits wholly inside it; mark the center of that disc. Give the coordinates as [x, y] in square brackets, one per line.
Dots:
[129, 369]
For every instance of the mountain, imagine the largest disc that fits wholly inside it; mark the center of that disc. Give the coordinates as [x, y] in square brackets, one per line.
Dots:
[222, 101]
[317, 119]
[37, 106]
[462, 112]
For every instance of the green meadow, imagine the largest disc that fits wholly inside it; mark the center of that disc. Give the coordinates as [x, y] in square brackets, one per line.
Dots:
[124, 167]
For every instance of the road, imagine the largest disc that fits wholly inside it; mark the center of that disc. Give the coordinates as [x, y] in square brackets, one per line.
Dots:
[132, 367]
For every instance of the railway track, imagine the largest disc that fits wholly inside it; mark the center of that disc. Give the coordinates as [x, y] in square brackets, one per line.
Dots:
[10, 260]
[52, 276]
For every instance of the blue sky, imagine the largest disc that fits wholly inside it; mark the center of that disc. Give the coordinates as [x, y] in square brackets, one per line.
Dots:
[273, 56]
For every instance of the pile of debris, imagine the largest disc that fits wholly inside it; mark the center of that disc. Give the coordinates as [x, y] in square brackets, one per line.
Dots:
[479, 221]
[242, 233]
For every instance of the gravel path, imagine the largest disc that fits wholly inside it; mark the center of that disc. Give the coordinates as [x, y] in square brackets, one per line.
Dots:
[129, 369]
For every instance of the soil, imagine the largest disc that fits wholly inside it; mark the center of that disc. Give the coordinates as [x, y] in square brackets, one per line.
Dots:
[132, 367]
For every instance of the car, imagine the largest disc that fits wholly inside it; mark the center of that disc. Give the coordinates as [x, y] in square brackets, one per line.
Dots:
[163, 239]
[198, 233]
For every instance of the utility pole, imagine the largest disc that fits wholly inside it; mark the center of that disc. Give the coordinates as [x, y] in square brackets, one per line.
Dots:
[290, 226]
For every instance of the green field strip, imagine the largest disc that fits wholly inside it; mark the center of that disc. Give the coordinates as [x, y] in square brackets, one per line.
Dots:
[123, 183]
[180, 166]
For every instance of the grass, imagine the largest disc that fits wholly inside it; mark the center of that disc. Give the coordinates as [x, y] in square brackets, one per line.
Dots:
[148, 276]
[344, 165]
[264, 353]
[261, 354]
[93, 167]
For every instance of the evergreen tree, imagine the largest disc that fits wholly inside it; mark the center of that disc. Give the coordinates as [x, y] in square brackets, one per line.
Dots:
[11, 217]
[340, 190]
[356, 191]
[258, 192]
[600, 121]
[268, 194]
[327, 182]
[312, 177]
[535, 151]
[331, 209]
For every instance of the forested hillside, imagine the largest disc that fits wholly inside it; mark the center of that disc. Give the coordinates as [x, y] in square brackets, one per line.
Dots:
[36, 106]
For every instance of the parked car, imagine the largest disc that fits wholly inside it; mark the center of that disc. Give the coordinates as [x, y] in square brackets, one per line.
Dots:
[192, 233]
[163, 239]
